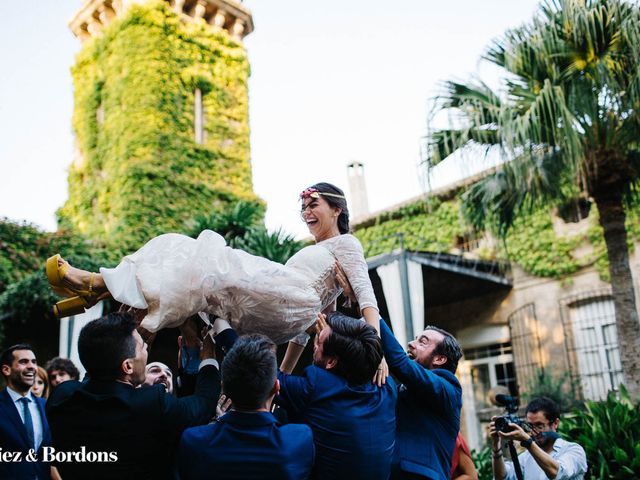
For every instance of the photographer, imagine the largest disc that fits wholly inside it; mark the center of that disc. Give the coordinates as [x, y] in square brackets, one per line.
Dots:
[546, 455]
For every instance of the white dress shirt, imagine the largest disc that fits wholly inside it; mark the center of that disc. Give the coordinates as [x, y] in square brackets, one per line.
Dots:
[570, 456]
[35, 413]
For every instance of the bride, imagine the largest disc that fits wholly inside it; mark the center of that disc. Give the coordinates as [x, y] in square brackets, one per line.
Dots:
[174, 276]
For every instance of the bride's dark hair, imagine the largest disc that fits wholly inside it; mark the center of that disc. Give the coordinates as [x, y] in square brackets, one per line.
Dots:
[335, 202]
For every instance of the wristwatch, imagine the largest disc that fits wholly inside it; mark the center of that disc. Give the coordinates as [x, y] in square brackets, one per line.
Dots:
[527, 443]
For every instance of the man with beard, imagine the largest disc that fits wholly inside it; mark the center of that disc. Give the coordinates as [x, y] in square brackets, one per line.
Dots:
[157, 373]
[429, 402]
[352, 418]
[23, 425]
[546, 455]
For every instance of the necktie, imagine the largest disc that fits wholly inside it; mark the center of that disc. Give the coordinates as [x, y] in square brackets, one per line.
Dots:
[28, 421]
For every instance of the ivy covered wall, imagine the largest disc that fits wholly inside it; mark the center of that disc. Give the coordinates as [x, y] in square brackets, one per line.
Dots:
[435, 224]
[138, 171]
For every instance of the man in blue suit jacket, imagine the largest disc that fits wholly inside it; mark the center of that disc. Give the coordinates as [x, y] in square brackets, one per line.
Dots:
[429, 402]
[23, 424]
[247, 442]
[352, 419]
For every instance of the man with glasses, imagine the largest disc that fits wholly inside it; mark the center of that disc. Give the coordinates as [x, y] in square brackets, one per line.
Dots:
[546, 455]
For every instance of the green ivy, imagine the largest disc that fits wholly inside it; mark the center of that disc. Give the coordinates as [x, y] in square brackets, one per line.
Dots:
[531, 243]
[428, 226]
[140, 172]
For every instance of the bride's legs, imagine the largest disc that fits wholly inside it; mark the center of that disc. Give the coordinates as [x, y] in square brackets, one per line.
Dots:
[78, 279]
[82, 289]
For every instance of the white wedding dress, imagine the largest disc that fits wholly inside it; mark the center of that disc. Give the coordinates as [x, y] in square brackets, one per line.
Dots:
[175, 276]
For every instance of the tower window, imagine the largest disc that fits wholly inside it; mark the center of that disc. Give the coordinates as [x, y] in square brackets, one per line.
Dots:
[199, 118]
[100, 114]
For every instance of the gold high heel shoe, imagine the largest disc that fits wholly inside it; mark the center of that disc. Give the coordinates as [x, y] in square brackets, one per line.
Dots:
[78, 300]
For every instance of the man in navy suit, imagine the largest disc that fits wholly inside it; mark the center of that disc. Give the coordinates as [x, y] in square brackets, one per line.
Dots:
[24, 430]
[246, 442]
[429, 402]
[352, 419]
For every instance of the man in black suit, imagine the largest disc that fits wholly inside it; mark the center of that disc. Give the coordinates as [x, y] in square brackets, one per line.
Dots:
[124, 431]
[23, 426]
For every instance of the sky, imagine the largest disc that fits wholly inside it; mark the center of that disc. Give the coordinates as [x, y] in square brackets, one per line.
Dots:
[332, 82]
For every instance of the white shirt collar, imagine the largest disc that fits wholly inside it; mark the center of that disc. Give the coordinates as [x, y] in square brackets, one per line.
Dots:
[15, 396]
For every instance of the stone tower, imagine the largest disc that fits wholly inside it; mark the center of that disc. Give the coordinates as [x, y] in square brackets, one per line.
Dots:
[160, 117]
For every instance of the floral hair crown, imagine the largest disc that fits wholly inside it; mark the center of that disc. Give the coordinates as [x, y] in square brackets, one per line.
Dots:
[313, 192]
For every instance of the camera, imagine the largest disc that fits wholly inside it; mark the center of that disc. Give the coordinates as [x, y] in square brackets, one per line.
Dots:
[511, 406]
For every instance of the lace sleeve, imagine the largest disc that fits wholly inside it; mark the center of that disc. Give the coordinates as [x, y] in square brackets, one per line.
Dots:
[350, 255]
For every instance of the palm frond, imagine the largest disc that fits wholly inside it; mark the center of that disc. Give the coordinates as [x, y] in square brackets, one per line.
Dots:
[231, 223]
[276, 246]
[518, 187]
[479, 106]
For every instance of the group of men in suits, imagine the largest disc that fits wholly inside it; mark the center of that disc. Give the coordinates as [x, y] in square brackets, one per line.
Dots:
[338, 423]
[341, 425]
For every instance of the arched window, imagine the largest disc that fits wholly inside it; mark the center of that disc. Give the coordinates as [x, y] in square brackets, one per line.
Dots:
[525, 337]
[592, 343]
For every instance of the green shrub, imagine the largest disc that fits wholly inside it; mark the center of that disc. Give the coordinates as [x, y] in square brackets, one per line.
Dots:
[24, 291]
[609, 432]
[482, 461]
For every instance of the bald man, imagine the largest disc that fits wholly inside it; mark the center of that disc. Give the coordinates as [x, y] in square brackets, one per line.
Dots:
[158, 373]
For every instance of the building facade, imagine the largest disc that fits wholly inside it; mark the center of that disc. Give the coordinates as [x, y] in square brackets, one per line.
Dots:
[537, 304]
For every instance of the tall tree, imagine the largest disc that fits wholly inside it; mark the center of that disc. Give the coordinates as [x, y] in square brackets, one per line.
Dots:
[566, 121]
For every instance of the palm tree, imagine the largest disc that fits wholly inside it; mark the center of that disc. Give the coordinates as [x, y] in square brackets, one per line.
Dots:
[277, 246]
[242, 228]
[231, 223]
[566, 121]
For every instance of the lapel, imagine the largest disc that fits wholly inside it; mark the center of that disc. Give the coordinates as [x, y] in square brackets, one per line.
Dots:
[12, 414]
[46, 438]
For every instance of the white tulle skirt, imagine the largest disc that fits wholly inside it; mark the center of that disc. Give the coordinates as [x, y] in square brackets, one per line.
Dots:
[175, 276]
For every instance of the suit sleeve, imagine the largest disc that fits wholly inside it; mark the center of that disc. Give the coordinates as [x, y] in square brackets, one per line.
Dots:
[433, 388]
[196, 409]
[295, 391]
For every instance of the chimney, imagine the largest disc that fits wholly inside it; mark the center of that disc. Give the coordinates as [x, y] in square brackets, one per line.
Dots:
[359, 203]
